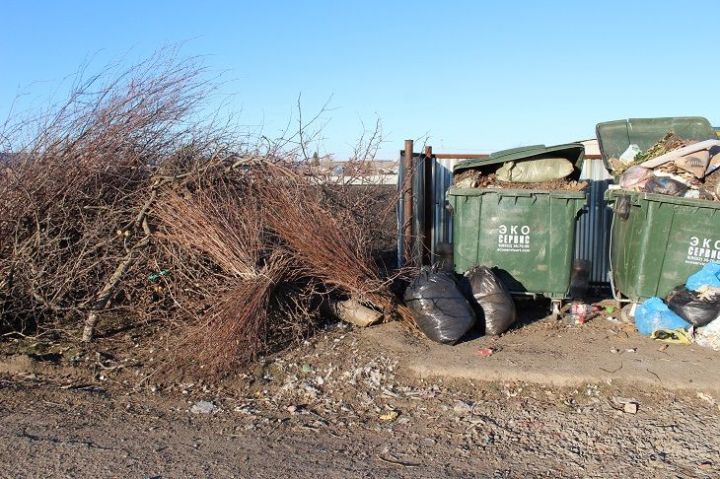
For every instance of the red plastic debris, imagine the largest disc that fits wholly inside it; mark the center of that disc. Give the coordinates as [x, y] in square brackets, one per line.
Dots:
[485, 352]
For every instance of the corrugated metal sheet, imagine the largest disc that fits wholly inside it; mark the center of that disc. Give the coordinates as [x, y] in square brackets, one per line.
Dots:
[442, 221]
[592, 233]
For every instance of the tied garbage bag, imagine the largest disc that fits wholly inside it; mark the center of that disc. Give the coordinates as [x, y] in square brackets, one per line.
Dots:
[708, 276]
[692, 307]
[533, 171]
[653, 314]
[493, 300]
[440, 310]
[664, 185]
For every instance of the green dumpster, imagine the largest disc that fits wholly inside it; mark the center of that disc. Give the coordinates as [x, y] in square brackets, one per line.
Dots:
[527, 234]
[657, 241]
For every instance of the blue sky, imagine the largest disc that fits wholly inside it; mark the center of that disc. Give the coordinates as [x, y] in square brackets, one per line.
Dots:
[471, 76]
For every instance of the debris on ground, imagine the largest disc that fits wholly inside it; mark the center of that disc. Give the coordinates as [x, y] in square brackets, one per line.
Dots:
[626, 405]
[485, 352]
[203, 407]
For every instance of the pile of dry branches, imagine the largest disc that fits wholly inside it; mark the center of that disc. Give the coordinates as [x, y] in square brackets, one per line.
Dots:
[119, 202]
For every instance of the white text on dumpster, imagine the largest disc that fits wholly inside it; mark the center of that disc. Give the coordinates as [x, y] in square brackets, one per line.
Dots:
[702, 250]
[513, 238]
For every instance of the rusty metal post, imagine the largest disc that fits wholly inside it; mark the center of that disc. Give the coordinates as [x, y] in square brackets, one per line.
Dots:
[407, 195]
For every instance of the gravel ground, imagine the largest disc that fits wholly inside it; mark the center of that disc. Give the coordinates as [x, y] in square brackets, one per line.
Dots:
[338, 407]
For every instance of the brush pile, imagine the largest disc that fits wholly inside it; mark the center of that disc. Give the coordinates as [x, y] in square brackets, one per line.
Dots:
[120, 203]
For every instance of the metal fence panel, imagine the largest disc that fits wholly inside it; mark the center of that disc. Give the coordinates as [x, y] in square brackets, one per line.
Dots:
[592, 233]
[442, 220]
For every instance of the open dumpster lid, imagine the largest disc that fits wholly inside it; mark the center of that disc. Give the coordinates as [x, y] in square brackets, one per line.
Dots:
[571, 151]
[614, 137]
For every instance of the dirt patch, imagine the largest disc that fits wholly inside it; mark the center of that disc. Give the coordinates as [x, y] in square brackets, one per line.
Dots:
[340, 406]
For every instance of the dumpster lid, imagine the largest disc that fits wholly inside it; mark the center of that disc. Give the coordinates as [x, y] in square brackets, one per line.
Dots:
[571, 151]
[615, 136]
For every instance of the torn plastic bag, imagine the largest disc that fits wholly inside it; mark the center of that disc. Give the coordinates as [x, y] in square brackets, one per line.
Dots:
[635, 176]
[653, 314]
[628, 156]
[692, 307]
[439, 307]
[531, 171]
[665, 186]
[674, 336]
[493, 301]
[709, 275]
[708, 336]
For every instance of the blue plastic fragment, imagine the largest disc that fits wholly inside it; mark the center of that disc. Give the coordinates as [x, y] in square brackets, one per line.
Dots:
[653, 314]
[709, 275]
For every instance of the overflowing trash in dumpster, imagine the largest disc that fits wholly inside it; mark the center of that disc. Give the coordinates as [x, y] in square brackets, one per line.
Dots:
[539, 174]
[673, 166]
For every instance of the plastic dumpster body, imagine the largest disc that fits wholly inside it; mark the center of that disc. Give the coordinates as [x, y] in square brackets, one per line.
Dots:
[657, 241]
[527, 234]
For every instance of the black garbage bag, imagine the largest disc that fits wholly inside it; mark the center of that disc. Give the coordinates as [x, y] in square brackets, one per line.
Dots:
[665, 186]
[439, 308]
[691, 307]
[493, 300]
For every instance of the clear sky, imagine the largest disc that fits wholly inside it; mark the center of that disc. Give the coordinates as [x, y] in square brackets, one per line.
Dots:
[472, 76]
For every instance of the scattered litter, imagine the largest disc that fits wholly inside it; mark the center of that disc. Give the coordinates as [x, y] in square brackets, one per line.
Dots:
[629, 406]
[462, 407]
[485, 352]
[709, 336]
[389, 416]
[674, 336]
[579, 312]
[706, 397]
[203, 407]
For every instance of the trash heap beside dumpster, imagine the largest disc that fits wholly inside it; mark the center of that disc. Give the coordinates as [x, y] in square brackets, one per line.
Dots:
[514, 216]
